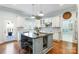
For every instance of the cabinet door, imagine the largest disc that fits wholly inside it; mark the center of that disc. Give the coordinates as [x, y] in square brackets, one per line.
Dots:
[37, 45]
[50, 40]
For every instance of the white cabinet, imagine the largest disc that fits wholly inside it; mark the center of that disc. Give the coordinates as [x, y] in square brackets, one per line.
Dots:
[37, 46]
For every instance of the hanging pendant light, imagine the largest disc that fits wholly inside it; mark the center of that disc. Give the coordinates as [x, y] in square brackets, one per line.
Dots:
[32, 16]
[41, 13]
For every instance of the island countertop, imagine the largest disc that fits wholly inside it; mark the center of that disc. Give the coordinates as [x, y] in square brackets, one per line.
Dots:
[34, 36]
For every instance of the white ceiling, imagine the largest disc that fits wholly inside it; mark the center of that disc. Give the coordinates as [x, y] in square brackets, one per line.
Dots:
[28, 9]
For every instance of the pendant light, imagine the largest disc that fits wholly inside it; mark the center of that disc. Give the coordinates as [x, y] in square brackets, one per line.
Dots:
[32, 16]
[41, 11]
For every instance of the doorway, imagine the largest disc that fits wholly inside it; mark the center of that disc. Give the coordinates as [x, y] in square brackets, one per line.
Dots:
[10, 30]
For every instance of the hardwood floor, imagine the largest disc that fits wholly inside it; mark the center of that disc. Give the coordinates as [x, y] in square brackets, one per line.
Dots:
[9, 48]
[59, 47]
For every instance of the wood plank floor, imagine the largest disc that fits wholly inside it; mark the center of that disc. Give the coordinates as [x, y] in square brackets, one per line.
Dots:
[59, 47]
[9, 48]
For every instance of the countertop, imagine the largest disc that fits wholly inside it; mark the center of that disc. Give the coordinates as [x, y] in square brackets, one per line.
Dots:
[34, 36]
[50, 30]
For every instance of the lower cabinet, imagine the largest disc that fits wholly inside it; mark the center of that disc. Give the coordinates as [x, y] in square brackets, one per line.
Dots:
[48, 46]
[37, 46]
[50, 41]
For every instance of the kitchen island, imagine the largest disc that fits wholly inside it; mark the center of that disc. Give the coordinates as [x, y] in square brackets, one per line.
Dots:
[36, 44]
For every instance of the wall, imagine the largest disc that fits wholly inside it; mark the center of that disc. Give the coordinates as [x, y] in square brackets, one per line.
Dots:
[1, 30]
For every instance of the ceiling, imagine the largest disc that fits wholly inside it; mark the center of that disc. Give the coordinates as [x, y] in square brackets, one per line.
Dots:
[33, 9]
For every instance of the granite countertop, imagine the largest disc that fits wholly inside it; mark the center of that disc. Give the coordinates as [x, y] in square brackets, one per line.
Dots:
[34, 36]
